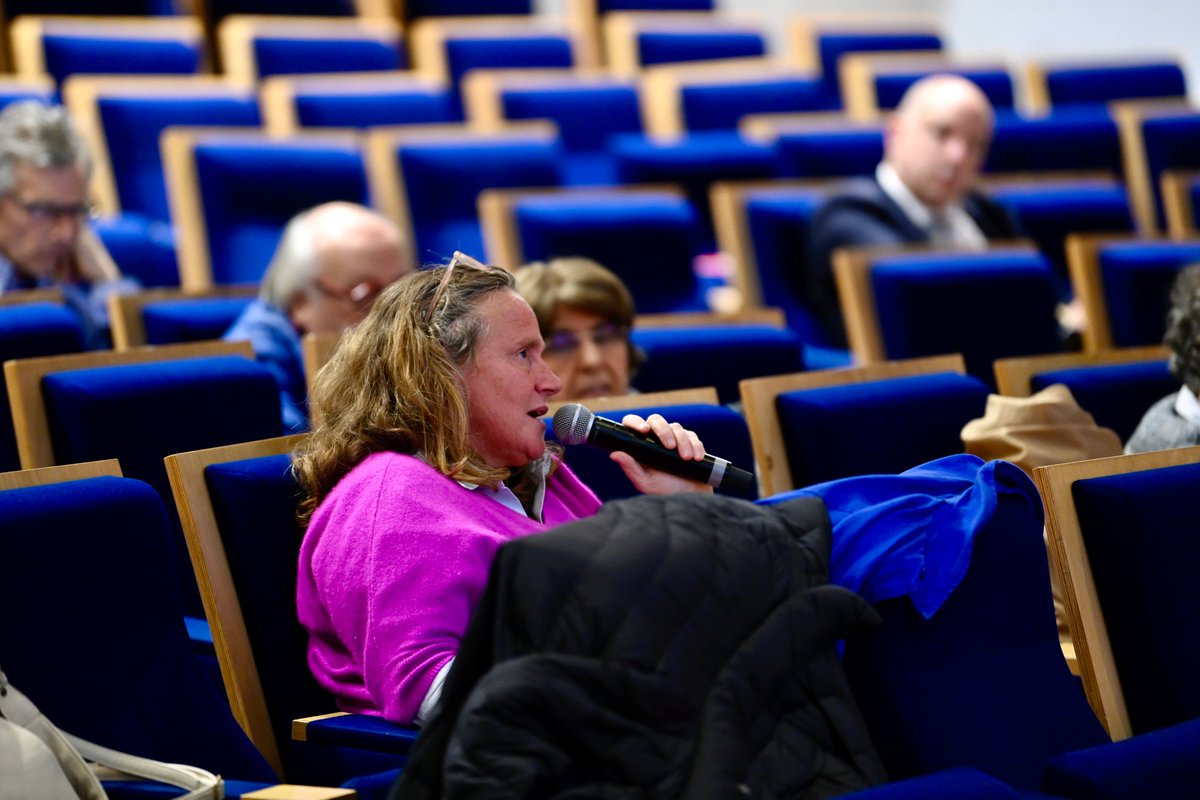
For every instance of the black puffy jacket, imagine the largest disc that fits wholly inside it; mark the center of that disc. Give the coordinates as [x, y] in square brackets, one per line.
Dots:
[680, 646]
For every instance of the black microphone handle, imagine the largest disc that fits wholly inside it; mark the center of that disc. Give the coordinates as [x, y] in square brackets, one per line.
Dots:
[647, 450]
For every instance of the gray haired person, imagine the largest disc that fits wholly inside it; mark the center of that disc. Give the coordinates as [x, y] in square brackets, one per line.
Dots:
[1174, 421]
[44, 236]
[331, 262]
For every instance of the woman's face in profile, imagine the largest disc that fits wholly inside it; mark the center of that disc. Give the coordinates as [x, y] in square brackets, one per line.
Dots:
[589, 353]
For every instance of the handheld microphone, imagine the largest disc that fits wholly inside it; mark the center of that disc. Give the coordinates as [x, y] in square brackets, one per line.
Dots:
[574, 424]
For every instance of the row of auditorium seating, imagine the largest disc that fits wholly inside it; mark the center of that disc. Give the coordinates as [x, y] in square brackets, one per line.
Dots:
[999, 682]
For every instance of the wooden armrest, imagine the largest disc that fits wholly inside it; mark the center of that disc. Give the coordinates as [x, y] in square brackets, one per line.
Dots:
[289, 791]
[355, 730]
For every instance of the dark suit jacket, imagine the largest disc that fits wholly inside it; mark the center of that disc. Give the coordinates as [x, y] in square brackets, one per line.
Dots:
[862, 214]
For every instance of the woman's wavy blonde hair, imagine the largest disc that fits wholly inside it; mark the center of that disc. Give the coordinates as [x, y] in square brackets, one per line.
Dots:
[394, 384]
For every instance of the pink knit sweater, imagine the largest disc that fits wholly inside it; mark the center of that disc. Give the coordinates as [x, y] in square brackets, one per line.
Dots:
[393, 563]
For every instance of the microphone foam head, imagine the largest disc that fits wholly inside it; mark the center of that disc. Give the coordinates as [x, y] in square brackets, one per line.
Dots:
[572, 423]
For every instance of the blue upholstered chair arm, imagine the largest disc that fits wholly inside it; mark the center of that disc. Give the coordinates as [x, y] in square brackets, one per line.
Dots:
[355, 730]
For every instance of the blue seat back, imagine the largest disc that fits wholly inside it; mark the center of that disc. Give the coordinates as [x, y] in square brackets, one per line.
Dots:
[694, 163]
[700, 44]
[832, 44]
[837, 431]
[715, 355]
[282, 55]
[722, 430]
[249, 190]
[995, 82]
[14, 92]
[982, 683]
[1047, 211]
[31, 330]
[530, 51]
[132, 125]
[443, 179]
[1137, 278]
[984, 305]
[647, 239]
[1170, 143]
[721, 105]
[833, 152]
[142, 248]
[455, 8]
[779, 223]
[1116, 395]
[1071, 139]
[419, 103]
[1139, 529]
[103, 651]
[1102, 83]
[192, 319]
[75, 53]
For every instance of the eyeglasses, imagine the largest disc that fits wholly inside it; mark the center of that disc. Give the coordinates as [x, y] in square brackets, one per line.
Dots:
[566, 343]
[39, 212]
[459, 258]
[360, 295]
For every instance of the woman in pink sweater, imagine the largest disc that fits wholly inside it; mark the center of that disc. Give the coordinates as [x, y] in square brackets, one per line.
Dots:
[430, 456]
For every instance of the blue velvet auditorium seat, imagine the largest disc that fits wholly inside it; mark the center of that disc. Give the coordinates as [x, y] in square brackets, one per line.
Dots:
[1046, 210]
[124, 118]
[1135, 277]
[191, 319]
[29, 330]
[694, 162]
[431, 182]
[257, 47]
[884, 426]
[355, 101]
[647, 238]
[823, 41]
[985, 305]
[829, 149]
[1097, 82]
[767, 229]
[889, 85]
[233, 193]
[637, 41]
[1116, 395]
[588, 110]
[252, 550]
[982, 682]
[1181, 201]
[717, 355]
[1065, 139]
[1152, 141]
[722, 430]
[98, 643]
[31, 88]
[108, 46]
[142, 248]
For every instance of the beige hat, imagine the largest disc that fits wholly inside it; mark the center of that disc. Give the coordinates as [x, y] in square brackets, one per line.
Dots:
[1047, 428]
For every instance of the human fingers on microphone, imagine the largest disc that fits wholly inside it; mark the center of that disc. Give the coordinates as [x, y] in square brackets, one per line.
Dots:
[672, 435]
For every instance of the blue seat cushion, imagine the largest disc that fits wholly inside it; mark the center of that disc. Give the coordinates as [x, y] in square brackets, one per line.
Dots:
[1137, 278]
[191, 320]
[1157, 764]
[647, 240]
[722, 430]
[1116, 395]
[840, 431]
[1137, 529]
[1100, 84]
[586, 115]
[142, 248]
[985, 306]
[959, 783]
[714, 355]
[68, 54]
[103, 651]
[1071, 139]
[399, 107]
[833, 153]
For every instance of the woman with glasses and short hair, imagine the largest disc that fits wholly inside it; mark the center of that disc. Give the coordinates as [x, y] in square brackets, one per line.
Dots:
[430, 455]
[585, 314]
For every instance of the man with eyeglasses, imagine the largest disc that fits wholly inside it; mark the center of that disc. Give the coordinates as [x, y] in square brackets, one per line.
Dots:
[331, 263]
[44, 236]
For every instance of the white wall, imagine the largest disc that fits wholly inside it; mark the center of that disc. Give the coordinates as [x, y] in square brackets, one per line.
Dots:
[1016, 30]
